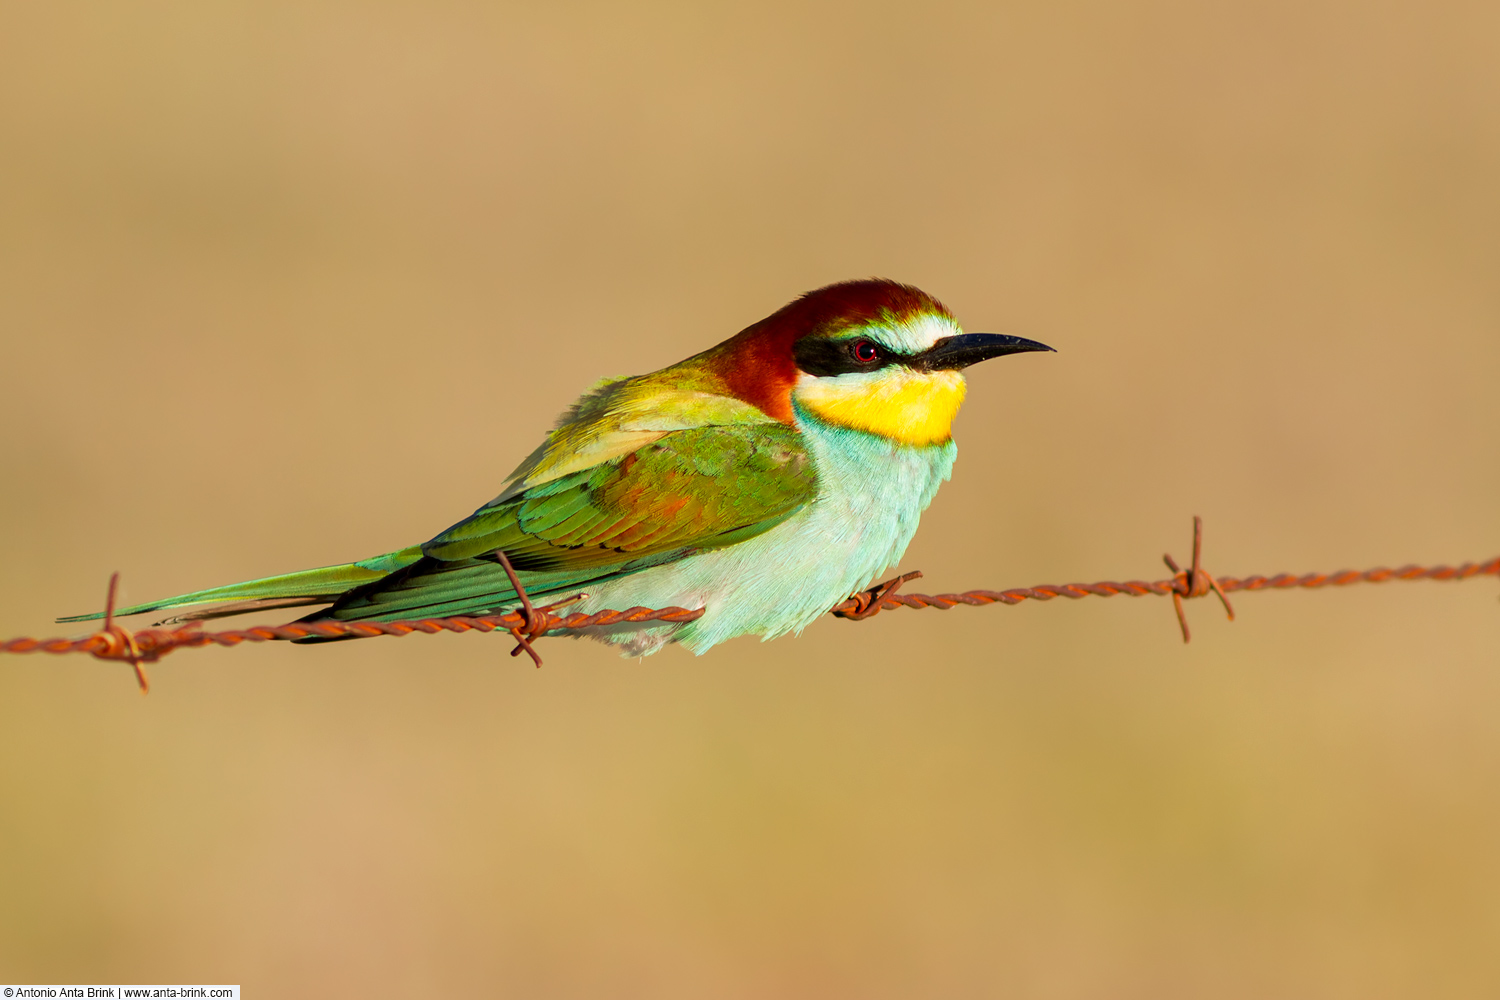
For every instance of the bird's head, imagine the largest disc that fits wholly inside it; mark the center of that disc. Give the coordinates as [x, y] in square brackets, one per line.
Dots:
[873, 356]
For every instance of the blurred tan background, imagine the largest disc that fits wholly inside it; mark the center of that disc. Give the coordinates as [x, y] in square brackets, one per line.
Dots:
[290, 284]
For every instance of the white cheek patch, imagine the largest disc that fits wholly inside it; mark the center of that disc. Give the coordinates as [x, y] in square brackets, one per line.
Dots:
[852, 383]
[915, 335]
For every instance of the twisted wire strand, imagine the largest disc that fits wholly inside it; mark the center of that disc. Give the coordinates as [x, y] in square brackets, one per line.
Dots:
[115, 642]
[152, 643]
[1175, 585]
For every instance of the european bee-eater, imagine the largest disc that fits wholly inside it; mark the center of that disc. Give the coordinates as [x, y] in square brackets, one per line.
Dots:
[764, 480]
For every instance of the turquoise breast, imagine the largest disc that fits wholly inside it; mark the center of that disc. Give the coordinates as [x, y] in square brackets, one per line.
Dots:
[871, 494]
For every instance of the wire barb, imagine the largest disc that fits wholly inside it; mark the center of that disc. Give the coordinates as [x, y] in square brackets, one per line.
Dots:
[532, 624]
[121, 643]
[1195, 582]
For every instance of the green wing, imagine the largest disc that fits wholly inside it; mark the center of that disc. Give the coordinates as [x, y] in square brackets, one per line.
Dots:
[687, 491]
[640, 472]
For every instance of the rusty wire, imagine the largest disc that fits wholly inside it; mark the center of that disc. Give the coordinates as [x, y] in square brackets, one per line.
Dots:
[115, 642]
[1189, 583]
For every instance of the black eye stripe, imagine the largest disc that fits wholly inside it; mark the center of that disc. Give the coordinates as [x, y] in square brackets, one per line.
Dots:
[822, 357]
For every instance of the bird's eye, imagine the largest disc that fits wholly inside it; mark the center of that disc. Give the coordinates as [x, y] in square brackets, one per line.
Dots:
[865, 352]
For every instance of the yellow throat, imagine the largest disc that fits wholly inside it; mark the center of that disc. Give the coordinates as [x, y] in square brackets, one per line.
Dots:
[911, 407]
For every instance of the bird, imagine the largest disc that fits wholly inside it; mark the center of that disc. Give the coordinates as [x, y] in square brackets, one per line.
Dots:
[764, 481]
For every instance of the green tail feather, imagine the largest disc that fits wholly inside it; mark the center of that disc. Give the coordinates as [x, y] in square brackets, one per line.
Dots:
[437, 589]
[327, 582]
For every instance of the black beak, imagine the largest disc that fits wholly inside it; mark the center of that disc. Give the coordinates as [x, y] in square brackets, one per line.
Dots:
[971, 348]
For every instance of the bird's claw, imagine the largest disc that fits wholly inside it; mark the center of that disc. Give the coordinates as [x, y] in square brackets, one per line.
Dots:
[867, 602]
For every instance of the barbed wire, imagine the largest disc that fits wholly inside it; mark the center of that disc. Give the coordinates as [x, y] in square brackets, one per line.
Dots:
[1190, 583]
[140, 647]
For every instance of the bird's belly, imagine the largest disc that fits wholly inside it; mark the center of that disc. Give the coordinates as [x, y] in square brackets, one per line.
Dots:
[871, 494]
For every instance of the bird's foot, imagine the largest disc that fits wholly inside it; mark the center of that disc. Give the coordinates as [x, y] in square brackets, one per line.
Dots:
[866, 603]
